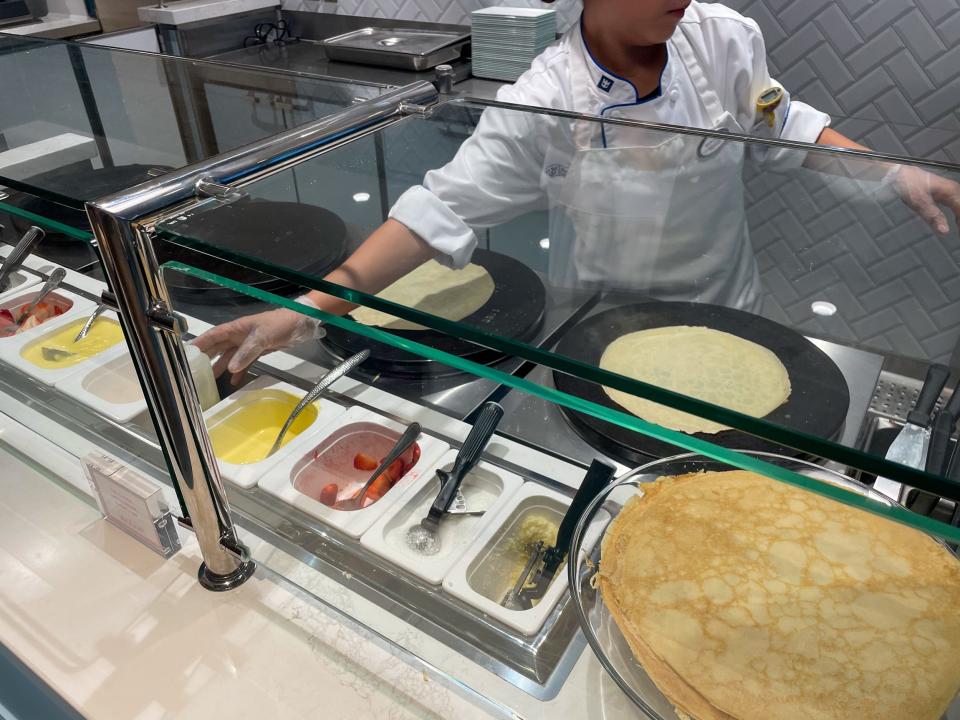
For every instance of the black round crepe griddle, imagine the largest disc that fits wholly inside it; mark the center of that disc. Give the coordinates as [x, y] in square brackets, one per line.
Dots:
[818, 402]
[300, 237]
[72, 181]
[515, 311]
[304, 238]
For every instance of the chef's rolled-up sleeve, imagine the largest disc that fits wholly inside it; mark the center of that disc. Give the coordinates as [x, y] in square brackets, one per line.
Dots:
[440, 227]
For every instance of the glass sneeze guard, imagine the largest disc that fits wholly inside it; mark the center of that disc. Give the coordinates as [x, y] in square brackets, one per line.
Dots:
[833, 258]
[676, 441]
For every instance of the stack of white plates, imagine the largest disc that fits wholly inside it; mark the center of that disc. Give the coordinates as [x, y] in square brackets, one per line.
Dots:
[507, 39]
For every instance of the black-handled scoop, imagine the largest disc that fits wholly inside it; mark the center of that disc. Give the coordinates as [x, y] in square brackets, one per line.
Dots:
[423, 537]
[525, 591]
[19, 253]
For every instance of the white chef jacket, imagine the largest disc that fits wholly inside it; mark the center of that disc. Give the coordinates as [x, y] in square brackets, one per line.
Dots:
[500, 173]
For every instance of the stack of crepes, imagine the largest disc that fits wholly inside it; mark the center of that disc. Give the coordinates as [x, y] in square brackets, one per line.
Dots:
[745, 598]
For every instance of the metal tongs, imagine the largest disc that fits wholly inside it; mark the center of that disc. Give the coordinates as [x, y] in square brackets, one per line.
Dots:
[326, 381]
[19, 253]
[531, 586]
[423, 537]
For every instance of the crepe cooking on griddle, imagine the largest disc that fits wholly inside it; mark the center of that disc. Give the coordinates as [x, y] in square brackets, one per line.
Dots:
[433, 289]
[698, 362]
[744, 598]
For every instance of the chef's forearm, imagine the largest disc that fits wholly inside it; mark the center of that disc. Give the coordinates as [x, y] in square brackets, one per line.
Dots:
[859, 168]
[390, 252]
[832, 138]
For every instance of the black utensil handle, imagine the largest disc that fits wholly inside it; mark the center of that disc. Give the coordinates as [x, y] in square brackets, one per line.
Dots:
[25, 245]
[598, 476]
[937, 376]
[953, 404]
[20, 251]
[477, 440]
[469, 454]
[939, 443]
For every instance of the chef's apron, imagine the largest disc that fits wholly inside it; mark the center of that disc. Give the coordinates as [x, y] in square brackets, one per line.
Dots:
[654, 215]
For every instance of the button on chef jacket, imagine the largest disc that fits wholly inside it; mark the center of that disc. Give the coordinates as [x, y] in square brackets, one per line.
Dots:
[629, 208]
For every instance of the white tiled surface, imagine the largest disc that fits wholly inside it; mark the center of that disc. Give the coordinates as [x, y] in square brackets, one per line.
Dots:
[892, 68]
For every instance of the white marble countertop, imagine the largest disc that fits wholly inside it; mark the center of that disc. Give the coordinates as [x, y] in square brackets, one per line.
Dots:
[56, 26]
[121, 633]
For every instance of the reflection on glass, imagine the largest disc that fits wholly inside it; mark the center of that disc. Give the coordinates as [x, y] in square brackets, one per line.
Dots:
[103, 120]
[797, 251]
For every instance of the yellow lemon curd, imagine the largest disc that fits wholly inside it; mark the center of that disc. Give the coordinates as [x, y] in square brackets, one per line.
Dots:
[63, 352]
[245, 431]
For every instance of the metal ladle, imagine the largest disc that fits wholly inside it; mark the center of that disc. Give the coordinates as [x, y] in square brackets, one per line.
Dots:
[326, 381]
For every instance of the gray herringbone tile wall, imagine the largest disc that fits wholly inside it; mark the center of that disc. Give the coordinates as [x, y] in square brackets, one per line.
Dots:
[888, 72]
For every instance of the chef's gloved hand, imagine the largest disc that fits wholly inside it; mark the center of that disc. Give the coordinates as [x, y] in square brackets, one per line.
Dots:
[238, 343]
[927, 195]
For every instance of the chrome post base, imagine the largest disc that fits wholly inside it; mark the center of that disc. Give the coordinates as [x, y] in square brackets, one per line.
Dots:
[221, 583]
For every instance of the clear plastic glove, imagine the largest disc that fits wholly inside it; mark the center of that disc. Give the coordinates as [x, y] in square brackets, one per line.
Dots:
[237, 344]
[927, 195]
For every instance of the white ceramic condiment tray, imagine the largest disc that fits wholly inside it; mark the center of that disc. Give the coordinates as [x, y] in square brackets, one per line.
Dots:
[111, 387]
[487, 487]
[12, 349]
[353, 431]
[20, 281]
[256, 405]
[482, 577]
[26, 293]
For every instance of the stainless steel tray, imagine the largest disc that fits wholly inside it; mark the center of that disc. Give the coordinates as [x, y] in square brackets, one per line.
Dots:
[395, 47]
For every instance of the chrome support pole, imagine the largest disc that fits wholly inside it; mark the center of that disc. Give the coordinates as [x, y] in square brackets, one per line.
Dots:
[120, 223]
[153, 335]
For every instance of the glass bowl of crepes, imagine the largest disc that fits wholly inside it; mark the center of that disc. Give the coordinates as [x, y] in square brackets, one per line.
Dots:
[720, 594]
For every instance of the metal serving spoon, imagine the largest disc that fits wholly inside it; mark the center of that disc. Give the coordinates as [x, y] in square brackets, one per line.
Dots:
[409, 437]
[52, 283]
[89, 323]
[326, 381]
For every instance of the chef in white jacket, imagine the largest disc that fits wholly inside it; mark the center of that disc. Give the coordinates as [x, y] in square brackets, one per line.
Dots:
[658, 212]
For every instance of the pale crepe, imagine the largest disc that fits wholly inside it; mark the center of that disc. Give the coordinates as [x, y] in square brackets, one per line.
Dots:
[698, 362]
[434, 289]
[745, 598]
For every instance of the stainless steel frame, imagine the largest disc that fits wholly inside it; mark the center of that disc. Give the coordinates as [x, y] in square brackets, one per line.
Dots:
[122, 223]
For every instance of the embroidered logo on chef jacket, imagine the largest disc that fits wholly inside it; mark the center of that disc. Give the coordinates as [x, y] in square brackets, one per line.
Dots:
[605, 83]
[556, 170]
